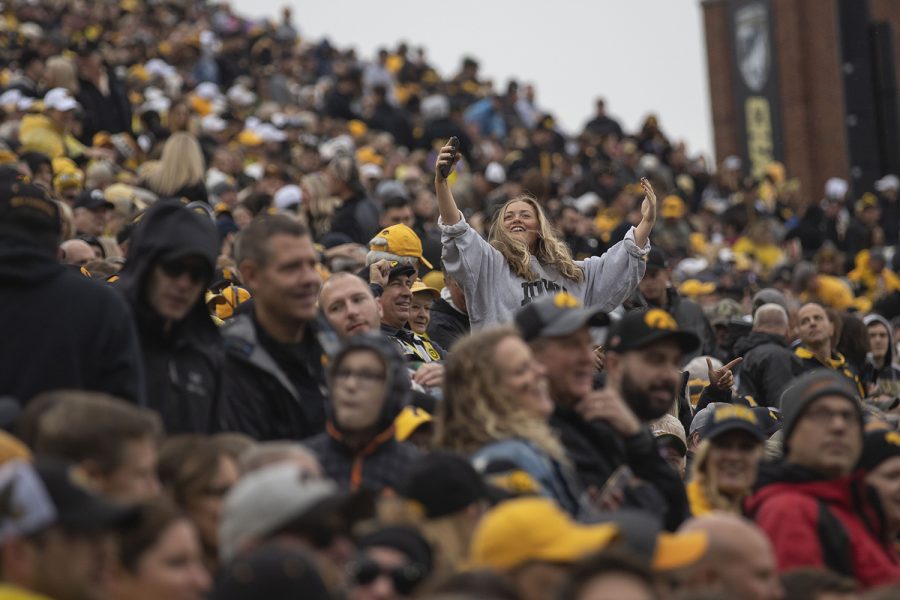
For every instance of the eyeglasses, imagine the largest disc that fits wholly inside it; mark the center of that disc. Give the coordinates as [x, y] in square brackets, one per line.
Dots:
[824, 416]
[363, 376]
[197, 272]
[405, 579]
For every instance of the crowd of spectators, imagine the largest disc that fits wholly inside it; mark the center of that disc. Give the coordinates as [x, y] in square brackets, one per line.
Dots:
[283, 321]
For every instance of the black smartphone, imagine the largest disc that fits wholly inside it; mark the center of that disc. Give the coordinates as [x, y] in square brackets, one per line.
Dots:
[445, 170]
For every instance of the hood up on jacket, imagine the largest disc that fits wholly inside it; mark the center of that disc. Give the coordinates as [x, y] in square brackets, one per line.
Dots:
[875, 318]
[24, 263]
[397, 385]
[169, 230]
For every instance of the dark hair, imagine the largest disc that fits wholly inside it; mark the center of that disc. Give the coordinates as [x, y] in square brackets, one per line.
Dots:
[187, 464]
[603, 563]
[36, 160]
[81, 425]
[808, 583]
[395, 202]
[854, 341]
[253, 242]
[485, 585]
[135, 540]
[257, 203]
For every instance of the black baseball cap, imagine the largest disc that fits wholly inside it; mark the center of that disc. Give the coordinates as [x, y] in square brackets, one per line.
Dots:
[879, 446]
[557, 315]
[769, 419]
[275, 571]
[656, 259]
[28, 205]
[91, 199]
[443, 483]
[640, 328]
[733, 417]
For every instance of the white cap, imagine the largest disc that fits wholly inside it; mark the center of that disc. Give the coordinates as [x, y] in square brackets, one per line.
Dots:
[157, 67]
[288, 196]
[836, 188]
[342, 144]
[269, 133]
[25, 103]
[370, 171]
[495, 173]
[59, 99]
[11, 97]
[241, 96]
[207, 90]
[213, 124]
[732, 163]
[254, 171]
[264, 500]
[888, 182]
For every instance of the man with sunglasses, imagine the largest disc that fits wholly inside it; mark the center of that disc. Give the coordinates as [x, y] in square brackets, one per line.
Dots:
[170, 263]
[814, 505]
[392, 563]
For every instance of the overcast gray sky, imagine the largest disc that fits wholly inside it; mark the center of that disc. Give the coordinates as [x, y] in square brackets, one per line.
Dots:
[643, 56]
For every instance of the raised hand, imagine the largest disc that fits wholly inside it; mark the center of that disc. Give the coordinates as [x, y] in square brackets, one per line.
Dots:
[722, 378]
[446, 160]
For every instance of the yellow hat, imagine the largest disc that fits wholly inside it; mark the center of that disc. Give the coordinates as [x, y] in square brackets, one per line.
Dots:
[66, 180]
[434, 279]
[408, 422]
[226, 302]
[7, 157]
[672, 207]
[357, 128]
[419, 286]
[249, 138]
[61, 164]
[399, 240]
[868, 200]
[694, 287]
[534, 529]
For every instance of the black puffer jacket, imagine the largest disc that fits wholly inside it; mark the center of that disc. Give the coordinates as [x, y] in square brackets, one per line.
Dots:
[381, 462]
[62, 330]
[768, 366]
[183, 367]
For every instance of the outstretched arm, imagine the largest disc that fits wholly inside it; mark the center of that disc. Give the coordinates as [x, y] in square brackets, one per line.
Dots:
[648, 213]
[446, 204]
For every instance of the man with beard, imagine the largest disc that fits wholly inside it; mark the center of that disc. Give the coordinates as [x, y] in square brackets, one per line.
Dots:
[605, 431]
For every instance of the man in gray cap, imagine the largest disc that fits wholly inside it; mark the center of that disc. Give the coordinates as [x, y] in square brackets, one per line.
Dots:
[812, 505]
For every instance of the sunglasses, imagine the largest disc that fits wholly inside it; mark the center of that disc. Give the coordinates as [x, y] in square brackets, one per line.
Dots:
[197, 272]
[405, 579]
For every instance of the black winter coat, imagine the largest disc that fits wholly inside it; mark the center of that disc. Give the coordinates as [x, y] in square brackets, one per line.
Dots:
[447, 324]
[381, 463]
[110, 113]
[184, 366]
[768, 367]
[357, 218]
[596, 451]
[264, 398]
[62, 330]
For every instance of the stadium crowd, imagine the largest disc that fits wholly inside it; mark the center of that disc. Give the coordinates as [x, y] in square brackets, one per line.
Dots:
[282, 321]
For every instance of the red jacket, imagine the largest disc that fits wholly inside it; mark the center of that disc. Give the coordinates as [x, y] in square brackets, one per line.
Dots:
[834, 524]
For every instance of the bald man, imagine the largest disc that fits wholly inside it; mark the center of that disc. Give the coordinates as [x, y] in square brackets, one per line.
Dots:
[740, 562]
[768, 363]
[77, 252]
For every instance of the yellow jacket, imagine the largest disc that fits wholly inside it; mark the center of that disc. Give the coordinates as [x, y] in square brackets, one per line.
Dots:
[873, 286]
[37, 133]
[832, 292]
[11, 592]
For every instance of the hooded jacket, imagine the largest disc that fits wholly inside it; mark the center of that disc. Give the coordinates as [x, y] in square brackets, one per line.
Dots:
[767, 368]
[830, 523]
[62, 330]
[265, 397]
[382, 463]
[183, 367]
[887, 377]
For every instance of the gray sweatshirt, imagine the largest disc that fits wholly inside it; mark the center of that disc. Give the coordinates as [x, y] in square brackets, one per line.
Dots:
[494, 293]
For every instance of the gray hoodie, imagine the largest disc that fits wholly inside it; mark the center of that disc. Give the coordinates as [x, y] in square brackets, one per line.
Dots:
[494, 293]
[887, 377]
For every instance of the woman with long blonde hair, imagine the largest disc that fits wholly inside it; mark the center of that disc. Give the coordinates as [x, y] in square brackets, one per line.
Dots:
[525, 258]
[180, 171]
[496, 408]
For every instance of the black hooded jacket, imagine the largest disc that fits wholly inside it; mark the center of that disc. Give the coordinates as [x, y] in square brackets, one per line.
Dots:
[183, 368]
[383, 462]
[447, 324]
[62, 330]
[768, 366]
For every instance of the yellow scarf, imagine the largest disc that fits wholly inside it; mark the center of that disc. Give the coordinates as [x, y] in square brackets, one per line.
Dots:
[697, 499]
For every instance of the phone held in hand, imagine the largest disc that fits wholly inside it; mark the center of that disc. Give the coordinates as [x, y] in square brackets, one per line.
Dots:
[445, 169]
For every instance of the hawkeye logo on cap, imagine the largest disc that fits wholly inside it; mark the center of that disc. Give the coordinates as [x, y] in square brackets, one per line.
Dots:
[565, 300]
[892, 437]
[734, 412]
[659, 319]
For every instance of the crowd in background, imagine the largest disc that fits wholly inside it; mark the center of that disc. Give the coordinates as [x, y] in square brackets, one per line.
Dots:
[284, 321]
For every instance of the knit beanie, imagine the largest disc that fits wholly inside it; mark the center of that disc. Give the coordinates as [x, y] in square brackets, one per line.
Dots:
[808, 388]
